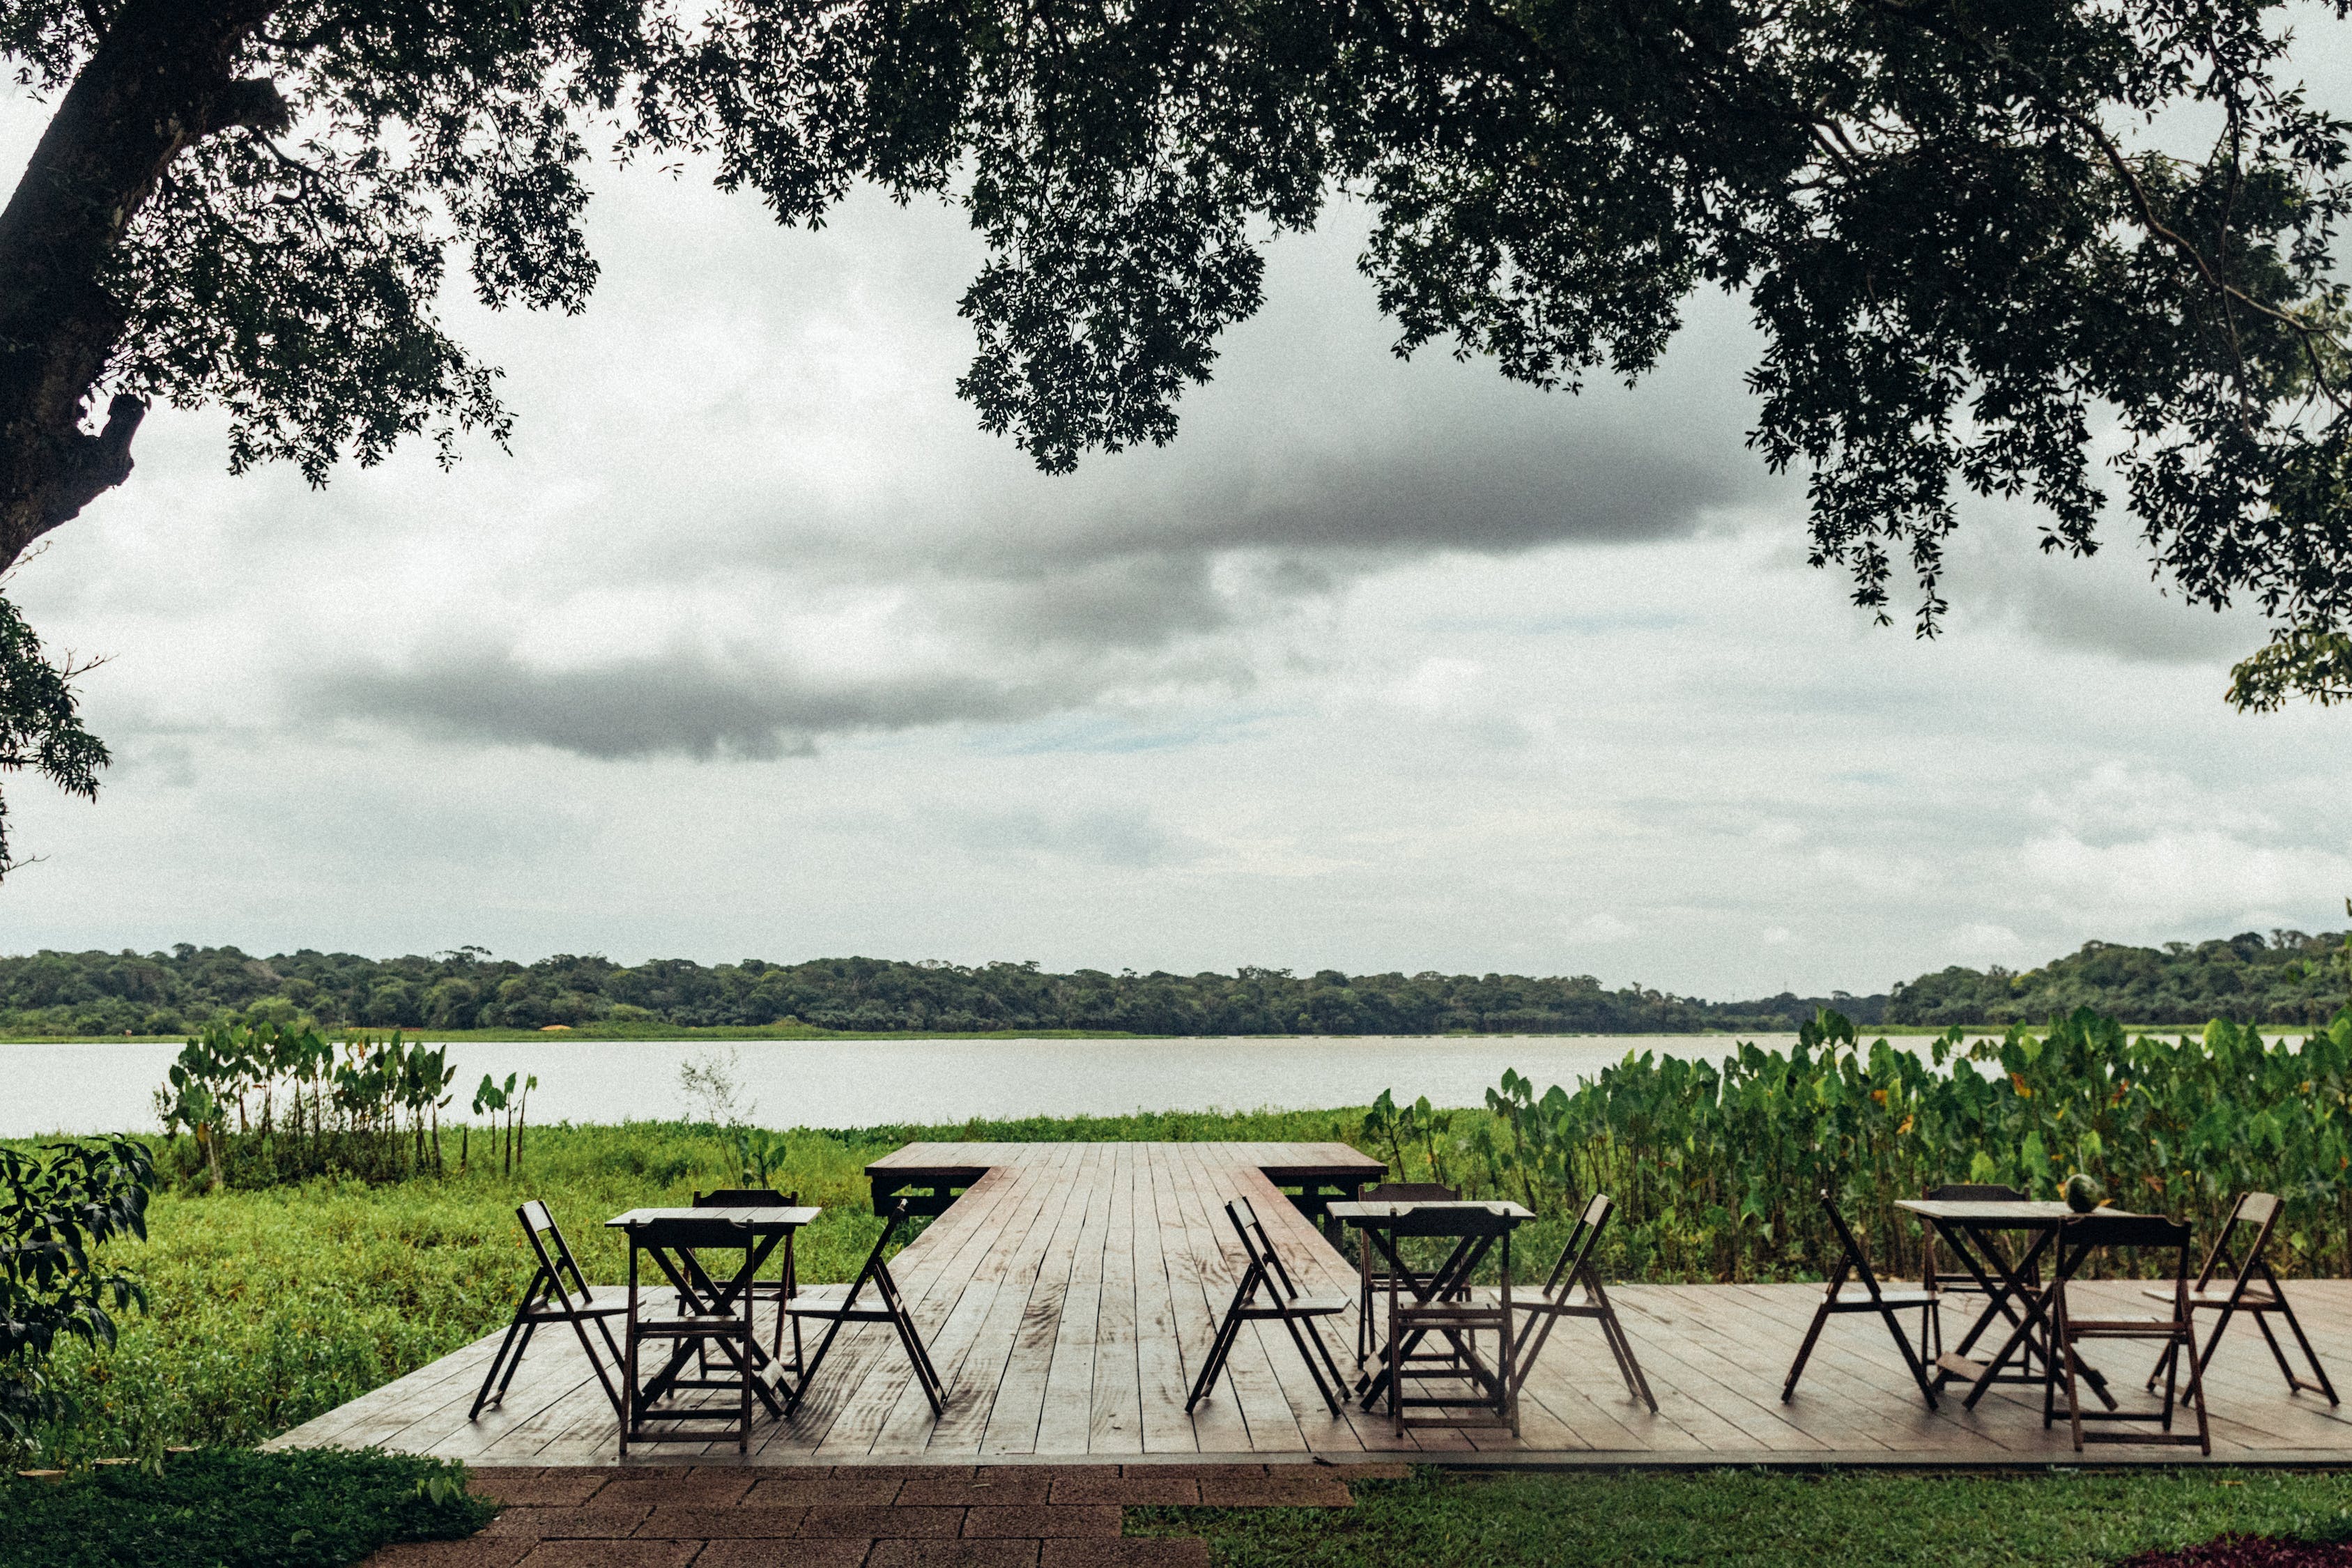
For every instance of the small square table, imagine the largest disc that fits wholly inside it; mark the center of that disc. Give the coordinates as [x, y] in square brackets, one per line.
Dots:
[1376, 1222]
[1968, 1228]
[672, 1236]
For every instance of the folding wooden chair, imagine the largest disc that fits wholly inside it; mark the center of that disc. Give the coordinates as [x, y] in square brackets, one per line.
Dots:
[1932, 1280]
[729, 1335]
[786, 1285]
[1297, 1311]
[1375, 1270]
[838, 1304]
[549, 1300]
[2077, 1239]
[1875, 1298]
[2253, 1289]
[1553, 1303]
[1456, 1318]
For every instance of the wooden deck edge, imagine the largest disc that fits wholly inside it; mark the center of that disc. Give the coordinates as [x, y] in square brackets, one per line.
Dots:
[1564, 1462]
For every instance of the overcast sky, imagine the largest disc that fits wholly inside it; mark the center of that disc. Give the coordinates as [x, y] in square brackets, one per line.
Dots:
[756, 647]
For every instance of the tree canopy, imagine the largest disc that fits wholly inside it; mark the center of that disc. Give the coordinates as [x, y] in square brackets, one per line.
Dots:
[2287, 978]
[1991, 245]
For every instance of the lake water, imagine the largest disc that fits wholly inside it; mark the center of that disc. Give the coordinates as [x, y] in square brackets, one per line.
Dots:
[858, 1083]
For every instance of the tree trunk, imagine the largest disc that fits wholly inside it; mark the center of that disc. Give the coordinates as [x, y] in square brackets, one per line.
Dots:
[160, 81]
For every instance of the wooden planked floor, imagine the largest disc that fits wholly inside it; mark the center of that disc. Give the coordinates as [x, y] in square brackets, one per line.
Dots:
[1070, 1293]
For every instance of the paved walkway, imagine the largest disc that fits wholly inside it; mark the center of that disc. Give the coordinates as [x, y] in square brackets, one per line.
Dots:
[873, 1516]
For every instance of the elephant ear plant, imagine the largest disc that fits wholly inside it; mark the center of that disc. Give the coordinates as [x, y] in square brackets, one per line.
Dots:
[59, 1206]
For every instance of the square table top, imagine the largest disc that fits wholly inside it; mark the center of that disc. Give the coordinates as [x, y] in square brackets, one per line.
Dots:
[1359, 1213]
[762, 1218]
[2020, 1214]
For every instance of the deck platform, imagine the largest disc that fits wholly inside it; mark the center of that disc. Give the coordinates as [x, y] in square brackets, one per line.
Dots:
[1071, 1289]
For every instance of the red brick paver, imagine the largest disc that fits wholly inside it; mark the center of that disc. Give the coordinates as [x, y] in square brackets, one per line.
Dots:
[851, 1516]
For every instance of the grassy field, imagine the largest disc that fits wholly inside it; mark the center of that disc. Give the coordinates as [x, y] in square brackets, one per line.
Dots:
[269, 1307]
[1767, 1520]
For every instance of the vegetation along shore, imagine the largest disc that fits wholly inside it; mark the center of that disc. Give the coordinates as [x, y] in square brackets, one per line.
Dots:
[2287, 978]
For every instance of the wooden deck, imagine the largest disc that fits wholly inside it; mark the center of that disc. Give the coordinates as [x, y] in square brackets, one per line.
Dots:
[1071, 1289]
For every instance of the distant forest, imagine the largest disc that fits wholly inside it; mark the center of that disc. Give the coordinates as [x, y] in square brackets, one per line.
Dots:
[2288, 977]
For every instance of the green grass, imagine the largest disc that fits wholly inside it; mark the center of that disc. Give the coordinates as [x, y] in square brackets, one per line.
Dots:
[1766, 1521]
[270, 1307]
[229, 1509]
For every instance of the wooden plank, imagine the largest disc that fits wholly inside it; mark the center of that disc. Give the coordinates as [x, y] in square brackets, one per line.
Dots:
[1014, 1419]
[1011, 1274]
[1114, 1416]
[1161, 1382]
[1065, 1418]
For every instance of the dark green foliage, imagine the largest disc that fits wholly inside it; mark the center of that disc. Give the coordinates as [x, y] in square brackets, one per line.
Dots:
[235, 1508]
[164, 993]
[1760, 1519]
[1715, 1167]
[40, 722]
[2291, 977]
[58, 1205]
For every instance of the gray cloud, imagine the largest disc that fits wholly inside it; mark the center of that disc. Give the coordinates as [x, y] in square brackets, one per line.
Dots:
[678, 702]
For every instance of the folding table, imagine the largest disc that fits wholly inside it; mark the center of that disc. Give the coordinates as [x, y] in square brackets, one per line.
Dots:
[673, 1237]
[1968, 1228]
[1377, 1223]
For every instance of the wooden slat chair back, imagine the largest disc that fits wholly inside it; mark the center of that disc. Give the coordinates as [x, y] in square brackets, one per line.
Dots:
[1853, 1264]
[1934, 1278]
[871, 1297]
[557, 1294]
[1374, 1273]
[786, 1285]
[2247, 1285]
[653, 1414]
[2148, 1233]
[1458, 1321]
[1556, 1300]
[1296, 1310]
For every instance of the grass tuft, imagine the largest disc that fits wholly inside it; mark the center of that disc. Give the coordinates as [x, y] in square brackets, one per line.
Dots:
[233, 1508]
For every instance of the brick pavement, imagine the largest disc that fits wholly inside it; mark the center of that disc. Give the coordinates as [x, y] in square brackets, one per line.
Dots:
[859, 1516]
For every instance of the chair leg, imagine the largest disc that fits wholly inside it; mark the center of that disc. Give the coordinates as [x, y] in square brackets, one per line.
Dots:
[1903, 1343]
[800, 1389]
[925, 1374]
[1219, 1347]
[1805, 1351]
[1628, 1366]
[2295, 1328]
[2197, 1386]
[2064, 1345]
[1330, 1399]
[498, 1362]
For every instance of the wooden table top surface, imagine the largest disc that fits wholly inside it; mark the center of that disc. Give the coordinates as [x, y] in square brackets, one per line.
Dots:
[2001, 1213]
[1361, 1213]
[758, 1218]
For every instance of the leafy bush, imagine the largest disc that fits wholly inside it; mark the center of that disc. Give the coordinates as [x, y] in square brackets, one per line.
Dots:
[1715, 1167]
[233, 1508]
[55, 1213]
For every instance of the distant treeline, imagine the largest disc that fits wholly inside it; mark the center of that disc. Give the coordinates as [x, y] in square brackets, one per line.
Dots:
[2287, 978]
[166, 993]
